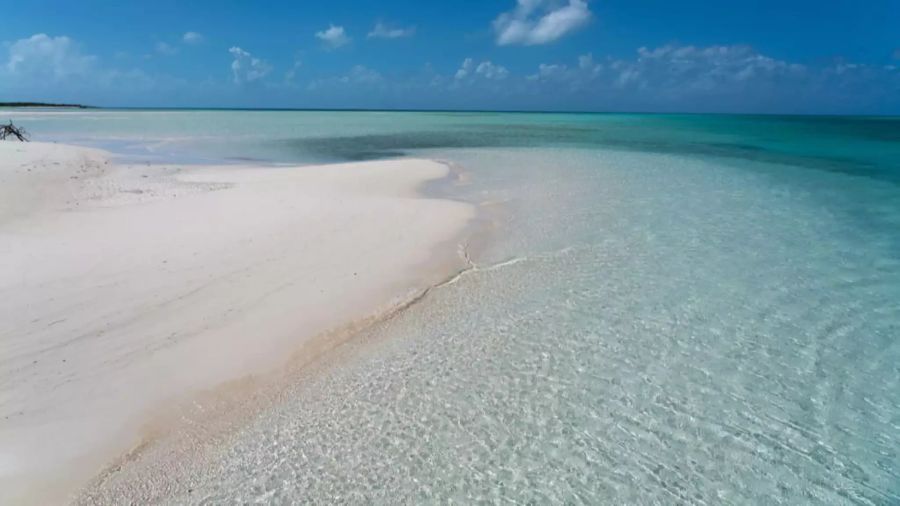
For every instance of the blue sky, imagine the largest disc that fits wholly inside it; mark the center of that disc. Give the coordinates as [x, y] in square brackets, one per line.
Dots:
[689, 55]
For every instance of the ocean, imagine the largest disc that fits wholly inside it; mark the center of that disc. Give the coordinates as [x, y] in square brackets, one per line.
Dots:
[664, 309]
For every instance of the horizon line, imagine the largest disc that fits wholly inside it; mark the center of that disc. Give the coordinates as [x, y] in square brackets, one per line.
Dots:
[36, 105]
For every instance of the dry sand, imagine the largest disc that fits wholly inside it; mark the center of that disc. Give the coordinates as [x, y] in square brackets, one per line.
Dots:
[124, 288]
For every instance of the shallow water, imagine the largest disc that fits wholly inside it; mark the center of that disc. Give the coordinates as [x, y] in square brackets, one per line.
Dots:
[673, 309]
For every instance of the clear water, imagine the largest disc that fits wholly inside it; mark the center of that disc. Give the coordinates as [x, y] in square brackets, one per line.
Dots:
[673, 309]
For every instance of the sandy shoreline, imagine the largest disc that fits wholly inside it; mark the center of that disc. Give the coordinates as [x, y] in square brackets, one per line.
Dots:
[127, 287]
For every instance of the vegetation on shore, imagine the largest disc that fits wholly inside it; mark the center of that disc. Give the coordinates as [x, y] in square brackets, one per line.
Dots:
[42, 104]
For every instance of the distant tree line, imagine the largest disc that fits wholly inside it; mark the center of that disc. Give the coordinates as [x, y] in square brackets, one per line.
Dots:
[41, 104]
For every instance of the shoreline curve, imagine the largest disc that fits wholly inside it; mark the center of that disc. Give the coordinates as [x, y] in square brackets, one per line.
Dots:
[144, 286]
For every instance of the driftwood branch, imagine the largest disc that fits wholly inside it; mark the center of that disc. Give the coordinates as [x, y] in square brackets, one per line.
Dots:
[11, 131]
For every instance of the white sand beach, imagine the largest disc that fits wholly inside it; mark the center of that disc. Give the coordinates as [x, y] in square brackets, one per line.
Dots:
[127, 287]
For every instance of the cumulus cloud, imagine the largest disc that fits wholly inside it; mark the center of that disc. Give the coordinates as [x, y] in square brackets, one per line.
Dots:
[715, 78]
[292, 72]
[586, 63]
[383, 31]
[245, 68]
[491, 71]
[46, 57]
[166, 49]
[678, 70]
[535, 22]
[359, 75]
[673, 77]
[333, 37]
[548, 71]
[703, 68]
[192, 38]
[468, 65]
[44, 67]
[486, 69]
[573, 78]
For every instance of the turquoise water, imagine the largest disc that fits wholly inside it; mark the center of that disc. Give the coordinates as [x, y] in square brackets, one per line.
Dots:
[672, 309]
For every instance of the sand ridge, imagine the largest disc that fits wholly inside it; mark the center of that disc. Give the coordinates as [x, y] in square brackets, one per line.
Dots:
[126, 286]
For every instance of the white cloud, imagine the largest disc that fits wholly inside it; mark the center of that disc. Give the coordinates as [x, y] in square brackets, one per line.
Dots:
[549, 71]
[334, 37]
[535, 22]
[193, 38]
[491, 71]
[586, 63]
[45, 67]
[719, 77]
[42, 56]
[468, 65]
[485, 69]
[246, 68]
[702, 68]
[382, 31]
[166, 49]
[292, 72]
[575, 78]
[671, 71]
[359, 75]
